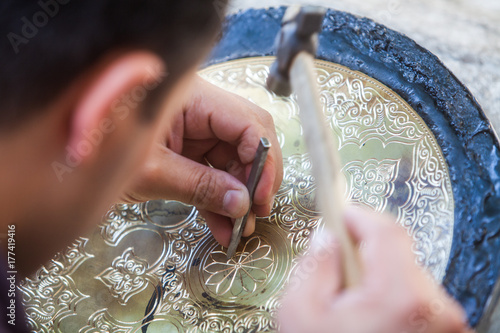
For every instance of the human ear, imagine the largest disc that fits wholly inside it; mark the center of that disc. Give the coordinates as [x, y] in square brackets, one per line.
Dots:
[110, 100]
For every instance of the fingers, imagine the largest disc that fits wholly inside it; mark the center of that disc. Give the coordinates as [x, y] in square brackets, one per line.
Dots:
[435, 314]
[215, 113]
[316, 281]
[395, 294]
[447, 317]
[224, 157]
[411, 300]
[379, 236]
[250, 226]
[174, 177]
[222, 130]
[221, 227]
[366, 224]
[218, 195]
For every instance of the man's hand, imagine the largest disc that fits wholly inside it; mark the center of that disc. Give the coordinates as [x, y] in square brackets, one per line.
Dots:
[395, 296]
[204, 155]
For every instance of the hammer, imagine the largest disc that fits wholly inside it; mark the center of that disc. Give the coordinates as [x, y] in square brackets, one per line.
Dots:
[294, 71]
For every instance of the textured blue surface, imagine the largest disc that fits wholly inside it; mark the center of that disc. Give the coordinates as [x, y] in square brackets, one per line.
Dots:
[448, 108]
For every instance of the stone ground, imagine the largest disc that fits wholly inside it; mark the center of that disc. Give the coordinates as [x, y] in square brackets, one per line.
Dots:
[464, 34]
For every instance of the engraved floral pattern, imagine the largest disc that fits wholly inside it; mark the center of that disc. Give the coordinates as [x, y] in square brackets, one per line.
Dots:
[371, 182]
[52, 294]
[118, 220]
[126, 276]
[244, 273]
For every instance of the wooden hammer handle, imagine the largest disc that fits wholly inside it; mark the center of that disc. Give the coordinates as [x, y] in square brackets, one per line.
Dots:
[323, 149]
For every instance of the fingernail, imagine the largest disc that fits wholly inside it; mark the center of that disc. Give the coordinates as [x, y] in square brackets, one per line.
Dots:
[233, 202]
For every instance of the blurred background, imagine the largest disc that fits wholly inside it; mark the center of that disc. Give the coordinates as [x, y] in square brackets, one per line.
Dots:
[464, 34]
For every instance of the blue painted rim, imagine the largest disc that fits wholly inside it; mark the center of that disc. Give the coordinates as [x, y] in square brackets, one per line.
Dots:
[451, 112]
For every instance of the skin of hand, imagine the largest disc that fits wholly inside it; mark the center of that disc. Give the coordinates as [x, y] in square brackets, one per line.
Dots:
[203, 157]
[395, 295]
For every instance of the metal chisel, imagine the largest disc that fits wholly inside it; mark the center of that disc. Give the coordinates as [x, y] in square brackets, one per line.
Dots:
[253, 180]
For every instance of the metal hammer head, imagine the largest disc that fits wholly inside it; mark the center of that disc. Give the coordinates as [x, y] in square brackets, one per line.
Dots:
[298, 34]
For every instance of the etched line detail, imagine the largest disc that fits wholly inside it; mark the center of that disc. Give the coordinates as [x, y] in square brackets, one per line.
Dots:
[126, 277]
[244, 273]
[371, 182]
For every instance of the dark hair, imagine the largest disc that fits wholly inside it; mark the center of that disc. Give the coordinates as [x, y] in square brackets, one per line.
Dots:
[47, 43]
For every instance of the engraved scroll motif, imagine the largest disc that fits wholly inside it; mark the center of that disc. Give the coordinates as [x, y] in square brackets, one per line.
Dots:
[425, 210]
[359, 112]
[120, 219]
[52, 294]
[101, 321]
[372, 182]
[155, 267]
[127, 276]
[295, 207]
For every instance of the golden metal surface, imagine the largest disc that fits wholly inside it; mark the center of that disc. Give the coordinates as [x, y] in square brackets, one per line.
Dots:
[391, 162]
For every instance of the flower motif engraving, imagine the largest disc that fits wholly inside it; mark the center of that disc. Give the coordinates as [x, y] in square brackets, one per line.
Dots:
[52, 294]
[371, 182]
[242, 274]
[119, 221]
[126, 276]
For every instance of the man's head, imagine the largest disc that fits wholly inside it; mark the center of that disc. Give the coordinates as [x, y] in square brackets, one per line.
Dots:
[49, 43]
[80, 84]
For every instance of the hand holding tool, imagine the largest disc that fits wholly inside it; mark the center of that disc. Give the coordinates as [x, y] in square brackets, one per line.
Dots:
[253, 180]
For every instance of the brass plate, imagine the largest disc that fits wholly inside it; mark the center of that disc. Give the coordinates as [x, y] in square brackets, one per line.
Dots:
[391, 162]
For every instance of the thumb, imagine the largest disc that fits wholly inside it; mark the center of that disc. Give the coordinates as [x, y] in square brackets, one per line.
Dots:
[175, 177]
